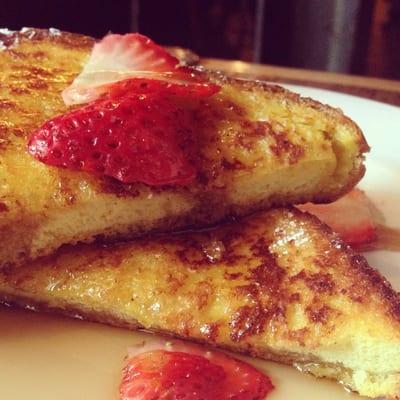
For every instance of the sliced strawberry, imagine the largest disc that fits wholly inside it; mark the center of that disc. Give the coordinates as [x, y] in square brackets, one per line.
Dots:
[350, 216]
[146, 86]
[120, 57]
[133, 139]
[132, 51]
[171, 375]
[192, 374]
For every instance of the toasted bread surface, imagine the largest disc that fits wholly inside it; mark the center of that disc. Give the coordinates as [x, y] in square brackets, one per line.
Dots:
[277, 285]
[254, 146]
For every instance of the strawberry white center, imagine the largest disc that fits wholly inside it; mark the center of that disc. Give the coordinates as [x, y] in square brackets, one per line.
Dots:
[116, 58]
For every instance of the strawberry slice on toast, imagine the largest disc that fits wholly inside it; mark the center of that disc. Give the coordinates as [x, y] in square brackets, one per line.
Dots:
[133, 138]
[119, 57]
[131, 129]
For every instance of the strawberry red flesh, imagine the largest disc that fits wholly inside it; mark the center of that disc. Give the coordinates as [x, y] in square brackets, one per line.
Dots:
[181, 375]
[132, 51]
[130, 130]
[119, 57]
[147, 86]
[132, 138]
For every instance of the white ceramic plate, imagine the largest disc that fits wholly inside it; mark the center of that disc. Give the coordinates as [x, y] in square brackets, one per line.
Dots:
[46, 357]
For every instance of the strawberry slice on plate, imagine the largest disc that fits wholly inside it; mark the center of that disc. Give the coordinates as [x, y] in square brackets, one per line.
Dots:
[351, 217]
[119, 57]
[188, 372]
[134, 138]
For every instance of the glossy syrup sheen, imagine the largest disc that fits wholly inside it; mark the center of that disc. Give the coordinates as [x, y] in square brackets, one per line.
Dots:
[46, 357]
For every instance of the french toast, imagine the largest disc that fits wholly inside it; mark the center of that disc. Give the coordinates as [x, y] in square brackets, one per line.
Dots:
[254, 146]
[278, 285]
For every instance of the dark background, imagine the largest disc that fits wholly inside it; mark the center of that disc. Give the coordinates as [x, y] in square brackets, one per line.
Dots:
[298, 33]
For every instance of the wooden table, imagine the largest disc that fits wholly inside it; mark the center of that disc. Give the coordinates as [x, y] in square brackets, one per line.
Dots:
[387, 91]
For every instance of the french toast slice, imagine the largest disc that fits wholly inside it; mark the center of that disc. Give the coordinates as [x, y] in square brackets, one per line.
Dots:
[254, 146]
[277, 285]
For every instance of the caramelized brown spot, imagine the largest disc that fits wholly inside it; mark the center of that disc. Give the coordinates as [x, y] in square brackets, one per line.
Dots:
[7, 104]
[175, 282]
[318, 315]
[268, 276]
[250, 291]
[203, 292]
[39, 55]
[252, 132]
[266, 283]
[284, 147]
[19, 90]
[299, 335]
[193, 255]
[247, 321]
[320, 283]
[295, 298]
[19, 132]
[39, 72]
[37, 84]
[232, 276]
[316, 282]
[210, 331]
[17, 55]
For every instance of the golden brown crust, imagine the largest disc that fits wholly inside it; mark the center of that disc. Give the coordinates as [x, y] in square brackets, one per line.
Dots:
[330, 112]
[295, 97]
[188, 248]
[253, 85]
[369, 280]
[40, 79]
